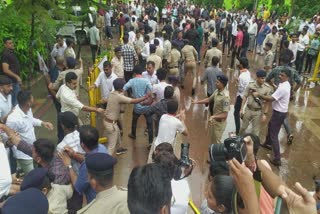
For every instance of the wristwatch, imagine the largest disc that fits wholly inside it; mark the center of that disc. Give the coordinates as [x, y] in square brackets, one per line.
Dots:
[69, 167]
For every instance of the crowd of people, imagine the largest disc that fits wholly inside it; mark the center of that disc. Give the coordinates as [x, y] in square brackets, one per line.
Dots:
[148, 70]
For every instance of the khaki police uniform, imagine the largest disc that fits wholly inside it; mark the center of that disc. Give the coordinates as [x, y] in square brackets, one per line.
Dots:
[210, 54]
[268, 60]
[189, 57]
[173, 60]
[254, 110]
[221, 101]
[159, 52]
[111, 201]
[156, 59]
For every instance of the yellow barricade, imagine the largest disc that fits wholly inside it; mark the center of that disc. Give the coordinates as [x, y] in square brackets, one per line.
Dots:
[193, 207]
[315, 76]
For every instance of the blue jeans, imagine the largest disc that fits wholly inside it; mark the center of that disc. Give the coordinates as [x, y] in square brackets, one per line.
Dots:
[14, 93]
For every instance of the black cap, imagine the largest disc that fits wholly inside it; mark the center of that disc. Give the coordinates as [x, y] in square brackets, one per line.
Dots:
[223, 79]
[28, 201]
[261, 73]
[100, 163]
[4, 80]
[68, 119]
[34, 178]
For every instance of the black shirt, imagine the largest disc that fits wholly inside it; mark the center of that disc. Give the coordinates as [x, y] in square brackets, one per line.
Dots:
[10, 58]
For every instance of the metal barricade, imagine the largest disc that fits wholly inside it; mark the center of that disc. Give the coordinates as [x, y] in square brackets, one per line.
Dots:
[193, 207]
[315, 77]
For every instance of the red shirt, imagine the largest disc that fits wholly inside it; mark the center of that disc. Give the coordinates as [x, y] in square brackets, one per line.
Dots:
[239, 38]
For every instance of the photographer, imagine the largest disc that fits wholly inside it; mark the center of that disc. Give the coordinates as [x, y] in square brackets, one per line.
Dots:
[164, 156]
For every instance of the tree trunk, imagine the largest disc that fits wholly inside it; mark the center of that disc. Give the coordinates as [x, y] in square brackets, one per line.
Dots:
[31, 44]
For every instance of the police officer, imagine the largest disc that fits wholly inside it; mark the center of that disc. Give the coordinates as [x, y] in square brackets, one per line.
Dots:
[174, 59]
[221, 107]
[214, 51]
[255, 111]
[189, 57]
[109, 198]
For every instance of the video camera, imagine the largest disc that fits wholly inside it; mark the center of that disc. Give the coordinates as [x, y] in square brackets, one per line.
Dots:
[184, 156]
[233, 147]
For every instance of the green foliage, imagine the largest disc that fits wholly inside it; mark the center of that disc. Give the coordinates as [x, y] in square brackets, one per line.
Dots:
[248, 4]
[306, 8]
[160, 3]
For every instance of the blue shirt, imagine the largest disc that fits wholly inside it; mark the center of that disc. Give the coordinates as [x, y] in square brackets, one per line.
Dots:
[82, 185]
[140, 87]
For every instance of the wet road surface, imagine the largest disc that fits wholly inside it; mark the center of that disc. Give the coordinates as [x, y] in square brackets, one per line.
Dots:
[300, 161]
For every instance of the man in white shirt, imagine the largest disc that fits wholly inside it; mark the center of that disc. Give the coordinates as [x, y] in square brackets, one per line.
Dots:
[5, 97]
[22, 121]
[243, 82]
[145, 52]
[293, 46]
[105, 82]
[68, 98]
[58, 49]
[94, 41]
[158, 89]
[169, 125]
[150, 73]
[303, 42]
[252, 30]
[280, 104]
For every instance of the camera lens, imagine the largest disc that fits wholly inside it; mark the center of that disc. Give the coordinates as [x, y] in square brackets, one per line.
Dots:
[185, 154]
[217, 152]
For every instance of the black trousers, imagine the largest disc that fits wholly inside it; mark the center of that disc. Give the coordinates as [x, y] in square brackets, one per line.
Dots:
[309, 62]
[94, 49]
[236, 113]
[299, 60]
[135, 117]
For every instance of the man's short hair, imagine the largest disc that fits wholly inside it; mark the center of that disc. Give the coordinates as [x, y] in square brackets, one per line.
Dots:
[118, 84]
[284, 59]
[286, 71]
[23, 97]
[138, 69]
[161, 74]
[125, 39]
[215, 60]
[5, 39]
[156, 42]
[269, 44]
[71, 62]
[68, 119]
[244, 62]
[149, 189]
[172, 106]
[89, 136]
[214, 42]
[151, 63]
[45, 149]
[69, 41]
[106, 64]
[168, 92]
[5, 80]
[70, 76]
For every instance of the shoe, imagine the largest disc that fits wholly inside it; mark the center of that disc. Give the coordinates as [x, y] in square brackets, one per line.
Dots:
[193, 91]
[290, 139]
[275, 162]
[132, 136]
[121, 151]
[266, 146]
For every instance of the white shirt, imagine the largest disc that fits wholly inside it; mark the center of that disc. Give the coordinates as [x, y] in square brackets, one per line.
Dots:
[294, 48]
[132, 37]
[145, 51]
[303, 42]
[158, 89]
[244, 80]
[180, 194]
[58, 51]
[282, 97]
[5, 175]
[5, 105]
[169, 125]
[24, 125]
[69, 100]
[234, 28]
[152, 79]
[105, 83]
[253, 28]
[72, 140]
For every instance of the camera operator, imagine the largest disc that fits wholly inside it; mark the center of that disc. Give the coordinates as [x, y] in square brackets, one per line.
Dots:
[164, 156]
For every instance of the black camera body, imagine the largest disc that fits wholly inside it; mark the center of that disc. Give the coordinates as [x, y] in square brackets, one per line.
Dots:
[233, 147]
[184, 156]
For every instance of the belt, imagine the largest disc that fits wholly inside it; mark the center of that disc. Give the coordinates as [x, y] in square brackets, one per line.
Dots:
[254, 109]
[173, 67]
[110, 121]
